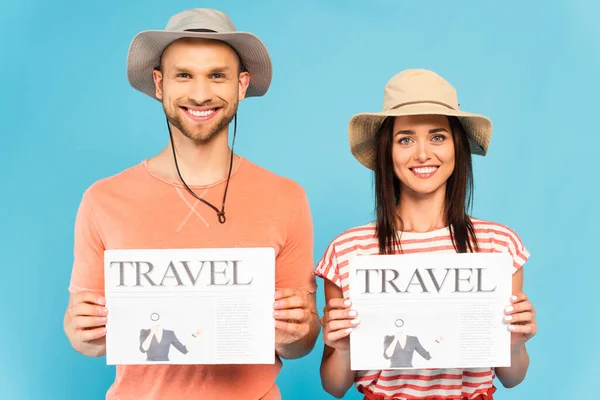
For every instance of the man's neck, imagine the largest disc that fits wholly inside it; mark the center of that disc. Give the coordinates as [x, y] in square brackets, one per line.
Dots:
[200, 164]
[422, 213]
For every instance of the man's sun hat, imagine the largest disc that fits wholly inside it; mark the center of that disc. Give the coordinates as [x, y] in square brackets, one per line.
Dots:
[415, 92]
[147, 47]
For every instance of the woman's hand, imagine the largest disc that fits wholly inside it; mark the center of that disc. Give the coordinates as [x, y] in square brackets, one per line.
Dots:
[520, 317]
[338, 321]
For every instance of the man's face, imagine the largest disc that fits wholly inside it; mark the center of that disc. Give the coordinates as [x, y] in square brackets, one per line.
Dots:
[200, 85]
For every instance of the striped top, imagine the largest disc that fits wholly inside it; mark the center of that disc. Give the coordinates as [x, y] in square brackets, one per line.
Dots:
[430, 384]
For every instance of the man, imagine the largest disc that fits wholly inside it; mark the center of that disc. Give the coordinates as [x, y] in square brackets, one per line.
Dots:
[196, 193]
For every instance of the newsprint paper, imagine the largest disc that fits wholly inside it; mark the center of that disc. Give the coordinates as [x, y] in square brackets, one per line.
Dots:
[190, 306]
[435, 310]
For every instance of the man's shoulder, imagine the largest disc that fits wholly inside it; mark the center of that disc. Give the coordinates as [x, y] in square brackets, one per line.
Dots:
[276, 182]
[117, 181]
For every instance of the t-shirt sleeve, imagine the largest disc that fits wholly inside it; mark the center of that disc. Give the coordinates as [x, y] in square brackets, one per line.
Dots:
[295, 260]
[327, 267]
[88, 251]
[515, 248]
[518, 251]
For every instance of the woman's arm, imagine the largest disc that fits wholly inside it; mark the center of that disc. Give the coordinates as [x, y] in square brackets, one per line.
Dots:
[337, 321]
[146, 336]
[391, 347]
[520, 316]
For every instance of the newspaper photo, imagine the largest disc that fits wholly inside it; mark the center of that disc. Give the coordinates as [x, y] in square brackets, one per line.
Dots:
[434, 310]
[190, 306]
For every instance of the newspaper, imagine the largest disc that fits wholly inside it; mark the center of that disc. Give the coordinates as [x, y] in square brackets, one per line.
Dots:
[435, 310]
[190, 306]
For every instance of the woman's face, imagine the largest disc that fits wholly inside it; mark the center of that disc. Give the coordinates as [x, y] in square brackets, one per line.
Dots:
[423, 153]
[399, 327]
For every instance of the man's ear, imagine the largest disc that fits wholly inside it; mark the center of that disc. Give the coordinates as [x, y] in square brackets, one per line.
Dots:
[244, 81]
[158, 82]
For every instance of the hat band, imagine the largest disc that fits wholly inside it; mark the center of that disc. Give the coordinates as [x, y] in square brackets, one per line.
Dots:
[200, 30]
[410, 103]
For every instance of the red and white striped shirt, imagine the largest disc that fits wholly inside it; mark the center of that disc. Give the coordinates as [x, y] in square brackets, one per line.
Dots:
[430, 384]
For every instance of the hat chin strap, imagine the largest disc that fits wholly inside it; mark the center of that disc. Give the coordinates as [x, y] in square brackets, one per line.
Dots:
[220, 213]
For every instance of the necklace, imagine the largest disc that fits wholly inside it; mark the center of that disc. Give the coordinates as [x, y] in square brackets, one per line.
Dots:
[220, 213]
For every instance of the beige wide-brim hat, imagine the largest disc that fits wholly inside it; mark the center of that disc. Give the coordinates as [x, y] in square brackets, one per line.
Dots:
[147, 47]
[415, 92]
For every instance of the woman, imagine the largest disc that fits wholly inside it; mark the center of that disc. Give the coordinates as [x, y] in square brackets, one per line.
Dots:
[420, 149]
[156, 342]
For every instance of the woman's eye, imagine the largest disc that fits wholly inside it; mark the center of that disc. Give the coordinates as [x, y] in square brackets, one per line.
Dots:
[405, 140]
[438, 138]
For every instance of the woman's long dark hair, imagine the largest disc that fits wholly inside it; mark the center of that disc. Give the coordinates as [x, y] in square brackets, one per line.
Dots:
[459, 192]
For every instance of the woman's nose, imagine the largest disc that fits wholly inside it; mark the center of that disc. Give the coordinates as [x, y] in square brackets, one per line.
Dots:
[422, 152]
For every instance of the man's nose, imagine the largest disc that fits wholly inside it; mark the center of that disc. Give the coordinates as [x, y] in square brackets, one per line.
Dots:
[201, 92]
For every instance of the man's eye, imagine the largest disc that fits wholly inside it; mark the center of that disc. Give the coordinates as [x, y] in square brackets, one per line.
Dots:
[217, 76]
[183, 75]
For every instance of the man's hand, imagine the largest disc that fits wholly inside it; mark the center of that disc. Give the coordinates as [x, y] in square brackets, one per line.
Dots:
[85, 323]
[296, 321]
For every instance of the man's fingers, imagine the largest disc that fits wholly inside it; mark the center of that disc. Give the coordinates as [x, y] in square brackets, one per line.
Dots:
[294, 329]
[88, 322]
[289, 292]
[85, 309]
[296, 314]
[86, 335]
[290, 302]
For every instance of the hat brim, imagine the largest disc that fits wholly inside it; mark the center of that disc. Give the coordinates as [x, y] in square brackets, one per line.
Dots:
[364, 126]
[147, 47]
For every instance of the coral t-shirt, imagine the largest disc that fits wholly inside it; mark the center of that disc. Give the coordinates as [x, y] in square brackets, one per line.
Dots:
[137, 209]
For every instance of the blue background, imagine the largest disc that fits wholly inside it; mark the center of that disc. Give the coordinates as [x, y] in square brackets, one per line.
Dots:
[70, 118]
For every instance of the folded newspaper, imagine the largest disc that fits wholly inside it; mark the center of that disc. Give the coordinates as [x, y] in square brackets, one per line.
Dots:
[190, 306]
[435, 310]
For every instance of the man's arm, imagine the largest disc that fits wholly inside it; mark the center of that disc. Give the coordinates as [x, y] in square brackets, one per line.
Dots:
[85, 319]
[296, 322]
[85, 323]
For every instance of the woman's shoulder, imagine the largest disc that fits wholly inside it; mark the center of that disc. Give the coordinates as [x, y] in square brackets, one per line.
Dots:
[361, 232]
[494, 236]
[494, 230]
[343, 247]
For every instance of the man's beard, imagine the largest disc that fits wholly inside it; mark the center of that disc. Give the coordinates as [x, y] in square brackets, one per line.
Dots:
[196, 134]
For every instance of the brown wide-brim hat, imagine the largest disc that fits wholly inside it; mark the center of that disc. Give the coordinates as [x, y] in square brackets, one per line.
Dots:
[147, 47]
[415, 92]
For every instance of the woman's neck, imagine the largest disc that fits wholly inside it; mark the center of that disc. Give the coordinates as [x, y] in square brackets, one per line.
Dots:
[421, 213]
